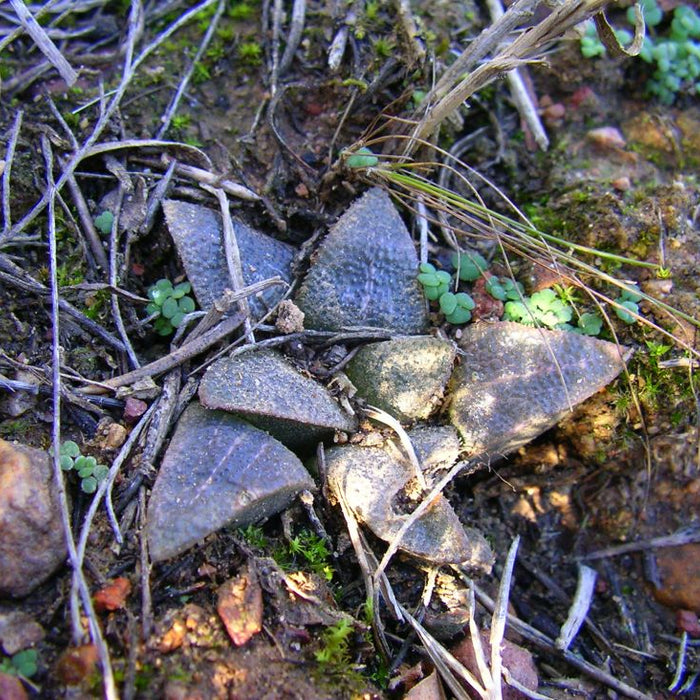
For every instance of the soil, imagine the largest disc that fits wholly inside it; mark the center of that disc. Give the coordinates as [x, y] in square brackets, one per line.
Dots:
[622, 468]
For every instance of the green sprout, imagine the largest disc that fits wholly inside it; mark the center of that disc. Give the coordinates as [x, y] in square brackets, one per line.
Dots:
[362, 158]
[23, 664]
[171, 304]
[675, 56]
[629, 304]
[543, 307]
[250, 53]
[435, 282]
[504, 288]
[469, 266]
[336, 640]
[589, 324]
[90, 473]
[103, 222]
[456, 307]
[312, 549]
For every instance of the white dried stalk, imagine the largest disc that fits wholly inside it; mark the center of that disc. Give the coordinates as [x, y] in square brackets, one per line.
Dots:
[44, 42]
[579, 607]
[79, 591]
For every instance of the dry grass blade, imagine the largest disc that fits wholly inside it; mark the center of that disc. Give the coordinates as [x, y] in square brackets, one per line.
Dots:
[528, 47]
[409, 182]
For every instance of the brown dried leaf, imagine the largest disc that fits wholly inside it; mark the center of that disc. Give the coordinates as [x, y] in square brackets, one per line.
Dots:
[113, 596]
[239, 605]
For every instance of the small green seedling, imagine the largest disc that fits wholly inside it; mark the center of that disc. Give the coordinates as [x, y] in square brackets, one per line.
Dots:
[103, 222]
[23, 663]
[310, 548]
[629, 304]
[336, 641]
[543, 307]
[362, 158]
[457, 307]
[589, 324]
[469, 266]
[435, 282]
[170, 303]
[91, 473]
[504, 288]
[673, 50]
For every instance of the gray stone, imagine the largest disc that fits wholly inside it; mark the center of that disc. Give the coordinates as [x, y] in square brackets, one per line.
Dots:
[267, 391]
[380, 489]
[32, 545]
[365, 273]
[198, 235]
[515, 382]
[406, 377]
[218, 471]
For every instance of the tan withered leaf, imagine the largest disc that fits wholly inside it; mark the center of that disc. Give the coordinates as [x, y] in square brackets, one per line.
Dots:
[239, 605]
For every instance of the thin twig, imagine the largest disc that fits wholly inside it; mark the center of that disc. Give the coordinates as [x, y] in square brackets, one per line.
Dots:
[579, 607]
[296, 29]
[146, 601]
[44, 42]
[519, 92]
[683, 536]
[544, 642]
[233, 259]
[80, 586]
[498, 620]
[177, 356]
[6, 174]
[189, 70]
[88, 229]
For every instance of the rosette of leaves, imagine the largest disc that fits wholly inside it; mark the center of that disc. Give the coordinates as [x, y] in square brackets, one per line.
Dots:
[629, 304]
[434, 282]
[456, 307]
[88, 470]
[171, 303]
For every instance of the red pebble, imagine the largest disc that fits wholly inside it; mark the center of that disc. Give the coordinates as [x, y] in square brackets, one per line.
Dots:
[134, 409]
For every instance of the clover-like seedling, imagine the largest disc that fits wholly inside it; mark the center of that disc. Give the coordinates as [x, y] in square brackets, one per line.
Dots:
[469, 266]
[589, 324]
[170, 303]
[103, 222]
[504, 288]
[543, 307]
[629, 298]
[549, 309]
[457, 307]
[434, 282]
[88, 470]
[23, 663]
